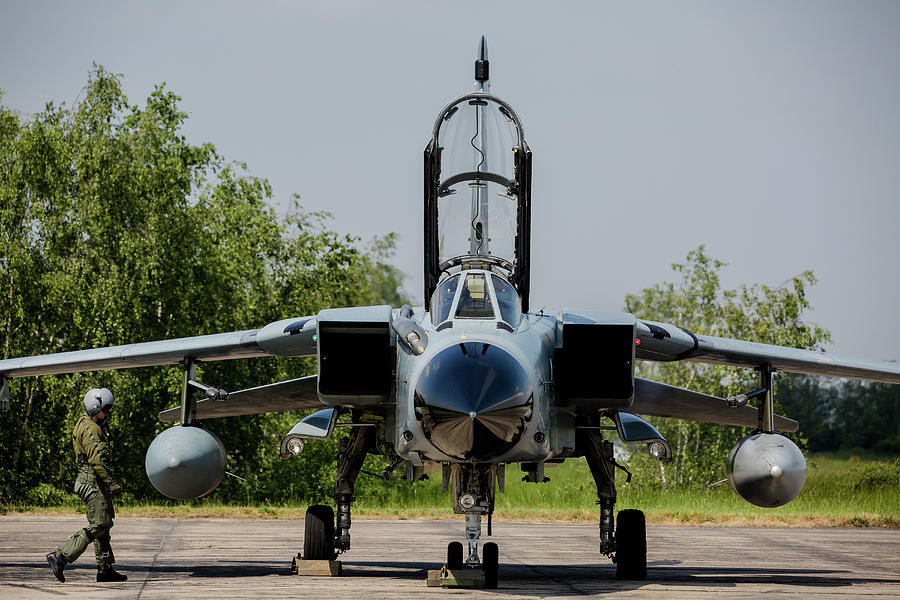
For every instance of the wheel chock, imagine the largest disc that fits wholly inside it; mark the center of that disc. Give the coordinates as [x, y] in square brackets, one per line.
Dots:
[466, 577]
[316, 568]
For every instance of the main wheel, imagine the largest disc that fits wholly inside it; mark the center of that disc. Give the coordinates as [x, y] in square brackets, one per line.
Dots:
[491, 564]
[454, 555]
[631, 545]
[318, 533]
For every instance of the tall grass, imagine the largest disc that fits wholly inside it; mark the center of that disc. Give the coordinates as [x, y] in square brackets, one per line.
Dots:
[838, 491]
[841, 490]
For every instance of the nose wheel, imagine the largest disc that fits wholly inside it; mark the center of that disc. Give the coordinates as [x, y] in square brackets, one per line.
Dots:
[454, 555]
[473, 496]
[473, 572]
[491, 564]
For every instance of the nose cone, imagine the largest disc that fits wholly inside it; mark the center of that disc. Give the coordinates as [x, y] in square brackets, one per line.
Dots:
[474, 398]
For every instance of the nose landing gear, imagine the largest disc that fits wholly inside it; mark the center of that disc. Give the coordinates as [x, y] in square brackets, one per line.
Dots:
[473, 572]
[473, 495]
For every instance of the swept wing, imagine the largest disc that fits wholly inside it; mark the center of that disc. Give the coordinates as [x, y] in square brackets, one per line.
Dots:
[666, 342]
[288, 337]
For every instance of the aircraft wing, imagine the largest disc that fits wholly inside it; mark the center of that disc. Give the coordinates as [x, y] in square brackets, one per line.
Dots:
[661, 400]
[288, 337]
[665, 342]
[295, 394]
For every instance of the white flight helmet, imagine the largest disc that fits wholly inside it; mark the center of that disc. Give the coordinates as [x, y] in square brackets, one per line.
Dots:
[96, 400]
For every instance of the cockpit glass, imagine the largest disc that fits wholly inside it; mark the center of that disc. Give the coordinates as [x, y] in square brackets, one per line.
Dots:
[475, 299]
[462, 134]
[442, 300]
[507, 299]
[482, 226]
[477, 203]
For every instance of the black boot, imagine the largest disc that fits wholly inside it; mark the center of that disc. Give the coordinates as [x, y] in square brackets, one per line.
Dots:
[57, 563]
[107, 573]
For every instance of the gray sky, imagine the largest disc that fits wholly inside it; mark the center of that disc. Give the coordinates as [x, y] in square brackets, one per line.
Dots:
[768, 131]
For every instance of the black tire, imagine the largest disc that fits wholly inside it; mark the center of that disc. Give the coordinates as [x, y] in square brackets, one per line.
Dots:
[491, 564]
[631, 545]
[318, 533]
[454, 555]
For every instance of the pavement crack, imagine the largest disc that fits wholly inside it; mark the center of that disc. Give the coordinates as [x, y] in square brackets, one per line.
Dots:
[543, 574]
[39, 588]
[155, 555]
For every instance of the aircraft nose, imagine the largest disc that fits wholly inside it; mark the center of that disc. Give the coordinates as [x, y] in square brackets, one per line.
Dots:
[474, 398]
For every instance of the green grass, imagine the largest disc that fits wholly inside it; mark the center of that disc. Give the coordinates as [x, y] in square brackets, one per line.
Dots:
[841, 490]
[838, 491]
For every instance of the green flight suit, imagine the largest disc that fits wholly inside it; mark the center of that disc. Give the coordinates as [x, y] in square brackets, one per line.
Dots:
[94, 460]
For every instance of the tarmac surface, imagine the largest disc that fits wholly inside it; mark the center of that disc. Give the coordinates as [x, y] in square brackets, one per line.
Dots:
[222, 558]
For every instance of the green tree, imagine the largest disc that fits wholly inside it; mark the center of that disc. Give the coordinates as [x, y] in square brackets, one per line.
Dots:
[756, 312]
[844, 413]
[814, 402]
[115, 229]
[867, 415]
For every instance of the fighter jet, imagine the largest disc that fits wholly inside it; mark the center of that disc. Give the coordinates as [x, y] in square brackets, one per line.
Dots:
[475, 381]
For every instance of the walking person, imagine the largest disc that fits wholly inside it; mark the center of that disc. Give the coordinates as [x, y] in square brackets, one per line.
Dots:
[95, 486]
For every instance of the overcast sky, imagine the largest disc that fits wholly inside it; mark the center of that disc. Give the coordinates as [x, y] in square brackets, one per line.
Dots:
[768, 131]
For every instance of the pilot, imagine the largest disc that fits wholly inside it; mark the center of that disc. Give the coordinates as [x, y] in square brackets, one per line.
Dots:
[95, 486]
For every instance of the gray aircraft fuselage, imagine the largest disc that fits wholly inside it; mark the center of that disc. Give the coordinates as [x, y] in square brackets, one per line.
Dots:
[524, 354]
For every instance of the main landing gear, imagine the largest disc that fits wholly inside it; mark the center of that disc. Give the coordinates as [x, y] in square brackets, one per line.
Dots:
[473, 490]
[322, 540]
[626, 544]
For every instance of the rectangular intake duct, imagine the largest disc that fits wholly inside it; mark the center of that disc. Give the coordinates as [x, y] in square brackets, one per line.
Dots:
[356, 351]
[594, 365]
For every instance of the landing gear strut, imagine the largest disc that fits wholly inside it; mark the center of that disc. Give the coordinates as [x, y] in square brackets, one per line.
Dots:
[473, 532]
[626, 544]
[321, 539]
[473, 495]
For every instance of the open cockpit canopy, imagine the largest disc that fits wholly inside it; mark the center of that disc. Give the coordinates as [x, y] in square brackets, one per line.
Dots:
[477, 192]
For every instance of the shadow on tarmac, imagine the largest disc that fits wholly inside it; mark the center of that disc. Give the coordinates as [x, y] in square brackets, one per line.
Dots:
[522, 579]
